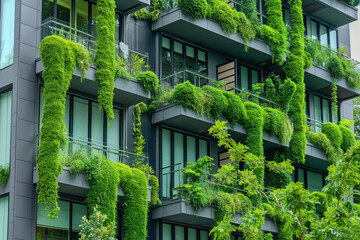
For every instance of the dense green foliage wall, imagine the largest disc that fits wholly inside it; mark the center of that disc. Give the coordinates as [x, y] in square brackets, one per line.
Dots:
[4, 174]
[294, 69]
[104, 177]
[57, 74]
[105, 54]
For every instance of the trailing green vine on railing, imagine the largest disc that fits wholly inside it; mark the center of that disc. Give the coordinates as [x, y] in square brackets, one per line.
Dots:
[105, 54]
[57, 74]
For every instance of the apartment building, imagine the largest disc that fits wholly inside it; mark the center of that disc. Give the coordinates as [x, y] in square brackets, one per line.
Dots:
[177, 48]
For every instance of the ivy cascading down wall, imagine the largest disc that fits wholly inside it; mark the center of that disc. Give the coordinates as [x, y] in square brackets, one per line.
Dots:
[294, 69]
[57, 74]
[105, 54]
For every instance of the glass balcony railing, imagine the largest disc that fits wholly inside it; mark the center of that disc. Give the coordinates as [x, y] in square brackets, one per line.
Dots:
[114, 154]
[314, 124]
[53, 26]
[201, 80]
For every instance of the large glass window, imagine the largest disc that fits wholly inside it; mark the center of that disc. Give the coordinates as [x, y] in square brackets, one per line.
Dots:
[325, 34]
[247, 77]
[178, 56]
[176, 150]
[7, 21]
[60, 227]
[86, 124]
[323, 111]
[312, 180]
[4, 216]
[177, 232]
[5, 127]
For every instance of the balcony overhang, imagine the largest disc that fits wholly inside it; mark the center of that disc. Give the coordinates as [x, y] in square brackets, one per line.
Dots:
[130, 6]
[333, 12]
[179, 211]
[76, 185]
[319, 79]
[176, 116]
[209, 34]
[128, 92]
[316, 158]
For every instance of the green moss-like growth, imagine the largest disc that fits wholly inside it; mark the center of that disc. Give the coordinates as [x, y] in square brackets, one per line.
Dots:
[321, 141]
[4, 174]
[286, 93]
[244, 27]
[275, 180]
[353, 79]
[333, 133]
[254, 130]
[195, 8]
[58, 71]
[104, 178]
[278, 124]
[219, 101]
[154, 183]
[249, 9]
[223, 14]
[235, 110]
[185, 94]
[320, 204]
[275, 33]
[348, 137]
[105, 54]
[335, 67]
[139, 141]
[148, 80]
[294, 69]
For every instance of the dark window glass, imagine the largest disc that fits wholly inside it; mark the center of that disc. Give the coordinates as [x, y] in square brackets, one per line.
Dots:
[82, 15]
[47, 9]
[93, 19]
[64, 11]
[323, 35]
[314, 30]
[333, 39]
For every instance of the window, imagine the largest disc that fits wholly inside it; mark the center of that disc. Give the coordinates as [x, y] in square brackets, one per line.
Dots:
[178, 232]
[177, 57]
[325, 34]
[7, 25]
[4, 212]
[87, 124]
[5, 127]
[312, 180]
[84, 13]
[323, 111]
[247, 77]
[176, 150]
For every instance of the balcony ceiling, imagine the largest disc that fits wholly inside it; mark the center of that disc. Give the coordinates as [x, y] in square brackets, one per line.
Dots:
[129, 6]
[333, 12]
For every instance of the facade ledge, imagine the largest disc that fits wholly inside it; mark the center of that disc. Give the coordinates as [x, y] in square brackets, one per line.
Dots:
[316, 158]
[179, 211]
[176, 116]
[209, 34]
[318, 78]
[128, 92]
[130, 6]
[333, 12]
[76, 185]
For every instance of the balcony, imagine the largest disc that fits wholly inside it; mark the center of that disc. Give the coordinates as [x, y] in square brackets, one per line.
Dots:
[179, 211]
[77, 184]
[130, 6]
[176, 116]
[128, 92]
[209, 34]
[334, 12]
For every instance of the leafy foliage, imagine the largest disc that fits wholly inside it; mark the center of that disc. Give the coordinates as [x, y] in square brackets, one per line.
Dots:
[58, 70]
[4, 174]
[195, 8]
[273, 179]
[148, 80]
[95, 228]
[185, 94]
[277, 123]
[105, 54]
[219, 102]
[235, 110]
[294, 69]
[139, 141]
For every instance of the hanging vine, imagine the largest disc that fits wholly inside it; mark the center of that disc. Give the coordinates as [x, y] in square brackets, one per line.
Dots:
[334, 101]
[105, 54]
[57, 74]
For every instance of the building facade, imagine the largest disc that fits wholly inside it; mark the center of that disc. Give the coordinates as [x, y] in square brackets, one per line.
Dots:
[175, 47]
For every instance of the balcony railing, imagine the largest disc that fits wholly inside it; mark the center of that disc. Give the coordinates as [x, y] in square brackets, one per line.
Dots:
[53, 26]
[314, 124]
[201, 80]
[114, 154]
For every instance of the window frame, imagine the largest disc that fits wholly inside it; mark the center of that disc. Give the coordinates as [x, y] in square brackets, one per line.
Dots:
[184, 44]
[8, 209]
[7, 90]
[249, 74]
[306, 169]
[328, 30]
[172, 158]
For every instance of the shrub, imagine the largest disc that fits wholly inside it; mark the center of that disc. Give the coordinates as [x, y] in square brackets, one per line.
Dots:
[353, 78]
[347, 135]
[203, 102]
[195, 8]
[219, 103]
[321, 141]
[333, 133]
[235, 110]
[4, 174]
[335, 66]
[185, 94]
[223, 14]
[286, 93]
[277, 123]
[148, 80]
[244, 26]
[273, 179]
